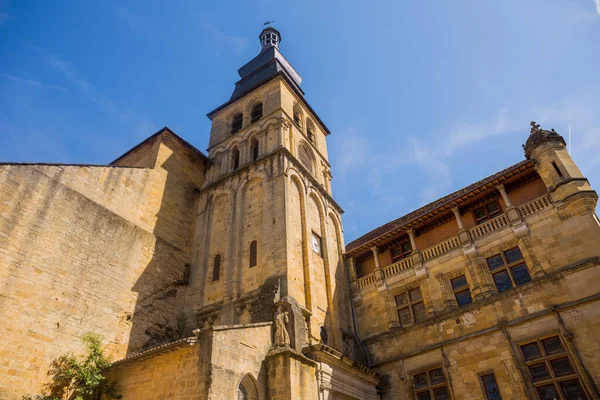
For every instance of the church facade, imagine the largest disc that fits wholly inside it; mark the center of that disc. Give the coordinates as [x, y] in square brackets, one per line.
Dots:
[226, 276]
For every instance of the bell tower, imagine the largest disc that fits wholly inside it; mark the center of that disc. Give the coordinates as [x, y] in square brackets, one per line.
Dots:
[268, 232]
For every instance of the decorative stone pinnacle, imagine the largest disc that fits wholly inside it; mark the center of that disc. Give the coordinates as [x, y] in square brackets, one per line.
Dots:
[539, 136]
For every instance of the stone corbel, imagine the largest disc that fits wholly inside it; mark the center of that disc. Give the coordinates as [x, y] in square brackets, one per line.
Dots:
[530, 257]
[480, 276]
[448, 297]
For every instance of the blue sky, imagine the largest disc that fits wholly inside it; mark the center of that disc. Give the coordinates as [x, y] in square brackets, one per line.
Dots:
[422, 97]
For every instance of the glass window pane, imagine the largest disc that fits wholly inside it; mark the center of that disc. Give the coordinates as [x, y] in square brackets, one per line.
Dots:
[420, 380]
[415, 294]
[502, 281]
[513, 255]
[531, 351]
[521, 274]
[495, 262]
[491, 387]
[436, 376]
[404, 317]
[441, 393]
[573, 390]
[401, 300]
[480, 214]
[547, 392]
[406, 247]
[553, 345]
[562, 367]
[493, 208]
[419, 311]
[424, 396]
[539, 372]
[459, 282]
[464, 298]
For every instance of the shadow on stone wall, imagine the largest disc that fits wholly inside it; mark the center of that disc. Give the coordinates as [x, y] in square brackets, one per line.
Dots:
[158, 314]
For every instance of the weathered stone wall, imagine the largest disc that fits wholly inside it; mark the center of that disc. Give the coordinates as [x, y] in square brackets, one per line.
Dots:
[211, 366]
[85, 248]
[476, 339]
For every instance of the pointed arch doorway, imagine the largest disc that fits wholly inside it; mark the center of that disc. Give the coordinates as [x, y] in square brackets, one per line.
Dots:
[247, 389]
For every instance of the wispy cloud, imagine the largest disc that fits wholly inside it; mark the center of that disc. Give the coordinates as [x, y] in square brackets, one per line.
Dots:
[31, 82]
[139, 24]
[597, 5]
[238, 43]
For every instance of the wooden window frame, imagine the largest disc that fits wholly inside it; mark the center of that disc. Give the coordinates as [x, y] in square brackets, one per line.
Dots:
[508, 267]
[460, 289]
[235, 126]
[403, 253]
[546, 359]
[254, 114]
[430, 387]
[488, 215]
[410, 304]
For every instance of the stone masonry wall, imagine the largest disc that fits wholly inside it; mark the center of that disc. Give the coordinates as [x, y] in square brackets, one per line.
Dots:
[85, 248]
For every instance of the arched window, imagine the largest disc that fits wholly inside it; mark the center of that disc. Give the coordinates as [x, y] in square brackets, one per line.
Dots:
[305, 157]
[241, 393]
[235, 156]
[253, 253]
[254, 149]
[236, 122]
[257, 110]
[216, 267]
[310, 131]
[298, 115]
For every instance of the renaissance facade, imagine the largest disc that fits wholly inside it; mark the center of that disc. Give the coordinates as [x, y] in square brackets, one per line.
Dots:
[225, 276]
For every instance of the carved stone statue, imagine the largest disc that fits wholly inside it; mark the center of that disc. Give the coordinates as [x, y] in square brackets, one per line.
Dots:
[282, 338]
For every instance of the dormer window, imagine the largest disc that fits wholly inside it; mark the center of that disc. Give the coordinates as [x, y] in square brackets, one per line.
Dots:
[257, 112]
[236, 122]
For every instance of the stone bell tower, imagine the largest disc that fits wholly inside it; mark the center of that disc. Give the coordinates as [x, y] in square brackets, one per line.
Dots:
[269, 234]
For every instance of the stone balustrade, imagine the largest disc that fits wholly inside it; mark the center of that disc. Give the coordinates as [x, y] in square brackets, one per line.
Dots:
[365, 281]
[489, 226]
[494, 224]
[534, 206]
[441, 248]
[397, 267]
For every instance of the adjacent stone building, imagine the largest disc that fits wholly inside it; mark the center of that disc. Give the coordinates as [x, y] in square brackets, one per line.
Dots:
[225, 275]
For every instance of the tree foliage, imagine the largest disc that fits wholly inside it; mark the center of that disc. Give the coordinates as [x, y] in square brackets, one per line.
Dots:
[79, 378]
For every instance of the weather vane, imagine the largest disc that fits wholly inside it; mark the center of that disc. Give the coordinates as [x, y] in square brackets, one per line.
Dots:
[268, 22]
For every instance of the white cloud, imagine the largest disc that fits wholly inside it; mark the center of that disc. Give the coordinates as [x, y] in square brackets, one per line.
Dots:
[238, 43]
[597, 6]
[31, 82]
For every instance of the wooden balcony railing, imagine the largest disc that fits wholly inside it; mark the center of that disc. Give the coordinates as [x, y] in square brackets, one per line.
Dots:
[441, 248]
[397, 267]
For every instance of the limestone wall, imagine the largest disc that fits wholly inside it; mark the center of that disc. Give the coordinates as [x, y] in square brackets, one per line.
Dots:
[87, 248]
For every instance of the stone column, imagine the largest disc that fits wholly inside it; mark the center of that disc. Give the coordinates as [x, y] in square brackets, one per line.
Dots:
[511, 211]
[224, 163]
[463, 234]
[352, 274]
[378, 273]
[416, 255]
[244, 152]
